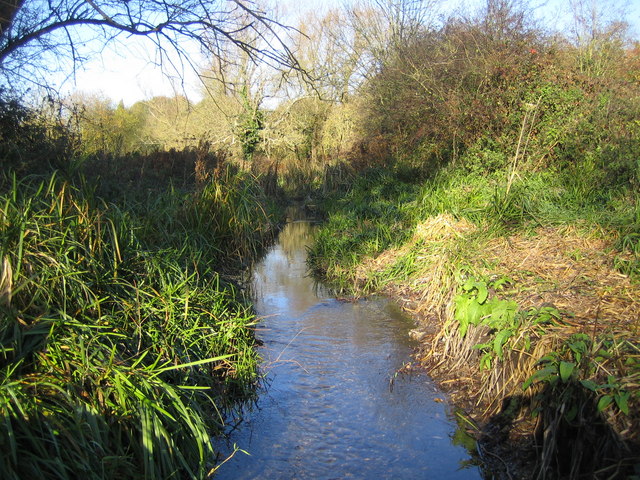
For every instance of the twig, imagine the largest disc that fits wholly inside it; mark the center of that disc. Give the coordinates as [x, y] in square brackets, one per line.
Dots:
[506, 467]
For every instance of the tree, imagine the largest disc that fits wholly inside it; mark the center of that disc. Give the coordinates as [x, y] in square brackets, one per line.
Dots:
[103, 128]
[599, 32]
[71, 29]
[386, 26]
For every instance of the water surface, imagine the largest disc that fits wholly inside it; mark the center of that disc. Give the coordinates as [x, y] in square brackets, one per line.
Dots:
[334, 405]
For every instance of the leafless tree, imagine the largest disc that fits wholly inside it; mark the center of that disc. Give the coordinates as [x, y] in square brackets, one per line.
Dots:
[598, 30]
[33, 32]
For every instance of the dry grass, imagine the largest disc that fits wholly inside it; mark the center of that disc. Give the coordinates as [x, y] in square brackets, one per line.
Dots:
[574, 273]
[430, 289]
[564, 268]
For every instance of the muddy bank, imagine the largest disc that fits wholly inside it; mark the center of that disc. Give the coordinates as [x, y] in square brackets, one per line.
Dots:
[567, 330]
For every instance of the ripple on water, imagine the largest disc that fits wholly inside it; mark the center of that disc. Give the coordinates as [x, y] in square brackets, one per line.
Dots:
[328, 411]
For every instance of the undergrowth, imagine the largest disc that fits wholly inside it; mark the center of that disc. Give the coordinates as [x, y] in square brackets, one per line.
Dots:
[122, 348]
[572, 369]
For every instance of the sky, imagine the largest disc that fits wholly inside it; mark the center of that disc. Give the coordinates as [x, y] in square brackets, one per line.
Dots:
[129, 74]
[126, 71]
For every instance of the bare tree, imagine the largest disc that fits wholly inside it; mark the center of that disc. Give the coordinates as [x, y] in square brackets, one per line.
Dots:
[329, 49]
[71, 29]
[385, 26]
[598, 31]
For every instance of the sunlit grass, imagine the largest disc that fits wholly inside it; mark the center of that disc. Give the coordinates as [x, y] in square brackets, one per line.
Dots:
[122, 348]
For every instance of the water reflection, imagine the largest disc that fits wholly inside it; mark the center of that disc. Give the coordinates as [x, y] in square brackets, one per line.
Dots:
[329, 411]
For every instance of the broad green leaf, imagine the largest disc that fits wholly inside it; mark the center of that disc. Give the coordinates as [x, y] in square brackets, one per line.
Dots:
[542, 375]
[483, 292]
[589, 385]
[462, 313]
[500, 282]
[469, 284]
[551, 357]
[462, 307]
[464, 326]
[571, 414]
[566, 369]
[500, 340]
[475, 313]
[481, 346]
[604, 402]
[622, 401]
[579, 346]
[485, 361]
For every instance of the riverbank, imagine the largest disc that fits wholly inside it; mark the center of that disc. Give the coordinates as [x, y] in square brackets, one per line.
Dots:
[567, 276]
[528, 316]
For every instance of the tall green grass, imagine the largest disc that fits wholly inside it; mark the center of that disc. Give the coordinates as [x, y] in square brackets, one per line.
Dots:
[121, 348]
[374, 215]
[382, 210]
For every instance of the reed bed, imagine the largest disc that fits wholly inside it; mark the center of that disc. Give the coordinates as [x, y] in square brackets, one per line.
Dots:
[122, 349]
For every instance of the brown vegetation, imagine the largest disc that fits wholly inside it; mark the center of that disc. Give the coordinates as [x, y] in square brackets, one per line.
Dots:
[564, 269]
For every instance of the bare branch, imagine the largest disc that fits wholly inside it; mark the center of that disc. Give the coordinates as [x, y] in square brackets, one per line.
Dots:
[33, 27]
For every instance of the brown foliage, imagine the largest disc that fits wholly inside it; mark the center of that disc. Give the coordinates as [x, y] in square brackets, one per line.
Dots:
[469, 84]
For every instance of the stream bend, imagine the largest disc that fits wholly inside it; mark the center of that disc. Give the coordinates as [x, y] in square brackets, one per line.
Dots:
[334, 406]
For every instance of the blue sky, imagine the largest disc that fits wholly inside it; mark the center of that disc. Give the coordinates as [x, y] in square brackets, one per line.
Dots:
[127, 72]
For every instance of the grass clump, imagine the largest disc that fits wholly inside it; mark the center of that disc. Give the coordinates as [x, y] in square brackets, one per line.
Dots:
[370, 218]
[503, 284]
[122, 349]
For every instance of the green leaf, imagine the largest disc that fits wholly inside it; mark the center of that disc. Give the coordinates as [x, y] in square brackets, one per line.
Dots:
[464, 326]
[481, 346]
[483, 292]
[475, 313]
[500, 340]
[485, 361]
[622, 401]
[462, 313]
[500, 282]
[551, 357]
[571, 414]
[542, 375]
[589, 385]
[469, 284]
[578, 346]
[192, 364]
[566, 369]
[604, 402]
[461, 307]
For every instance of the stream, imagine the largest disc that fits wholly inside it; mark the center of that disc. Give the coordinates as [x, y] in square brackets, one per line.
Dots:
[334, 405]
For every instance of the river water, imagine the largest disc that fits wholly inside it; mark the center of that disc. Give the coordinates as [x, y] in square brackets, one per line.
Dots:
[334, 406]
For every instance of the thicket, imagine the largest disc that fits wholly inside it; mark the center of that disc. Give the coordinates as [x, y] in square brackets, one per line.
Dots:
[124, 342]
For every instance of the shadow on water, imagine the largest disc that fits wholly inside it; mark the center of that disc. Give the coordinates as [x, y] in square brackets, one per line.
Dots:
[334, 404]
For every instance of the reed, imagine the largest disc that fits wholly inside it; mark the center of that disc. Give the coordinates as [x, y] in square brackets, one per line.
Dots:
[122, 348]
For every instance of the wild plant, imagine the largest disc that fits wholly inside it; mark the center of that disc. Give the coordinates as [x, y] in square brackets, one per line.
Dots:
[121, 348]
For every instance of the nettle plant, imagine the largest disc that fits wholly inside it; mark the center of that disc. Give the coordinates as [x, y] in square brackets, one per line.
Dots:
[502, 318]
[585, 362]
